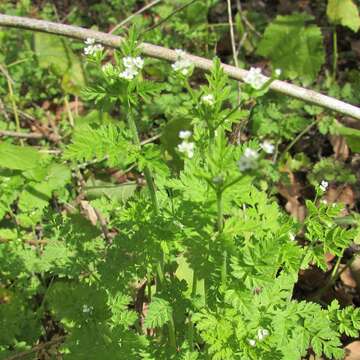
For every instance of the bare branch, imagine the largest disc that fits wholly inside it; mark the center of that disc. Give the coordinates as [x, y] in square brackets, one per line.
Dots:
[160, 52]
[21, 134]
[128, 19]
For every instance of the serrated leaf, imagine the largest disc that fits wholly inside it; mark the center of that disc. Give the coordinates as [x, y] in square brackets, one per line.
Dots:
[18, 157]
[344, 12]
[294, 46]
[159, 313]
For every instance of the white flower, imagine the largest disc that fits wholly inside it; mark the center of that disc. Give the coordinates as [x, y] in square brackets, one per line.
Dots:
[208, 99]
[87, 309]
[251, 154]
[131, 67]
[292, 236]
[93, 49]
[252, 342]
[181, 64]
[187, 148]
[128, 74]
[248, 160]
[138, 62]
[278, 72]
[255, 78]
[268, 147]
[90, 41]
[262, 334]
[185, 134]
[324, 185]
[180, 53]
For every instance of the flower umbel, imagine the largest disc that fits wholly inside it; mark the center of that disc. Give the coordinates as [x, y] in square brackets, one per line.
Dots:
[132, 66]
[262, 334]
[92, 48]
[208, 99]
[182, 64]
[87, 309]
[252, 342]
[185, 134]
[185, 146]
[324, 185]
[255, 78]
[248, 160]
[268, 147]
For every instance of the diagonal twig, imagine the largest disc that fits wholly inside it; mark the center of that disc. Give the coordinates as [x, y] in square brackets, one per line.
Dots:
[177, 10]
[163, 53]
[128, 19]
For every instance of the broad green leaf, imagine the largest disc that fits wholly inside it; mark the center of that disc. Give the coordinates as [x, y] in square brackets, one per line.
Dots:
[121, 192]
[18, 157]
[352, 137]
[294, 46]
[53, 53]
[344, 12]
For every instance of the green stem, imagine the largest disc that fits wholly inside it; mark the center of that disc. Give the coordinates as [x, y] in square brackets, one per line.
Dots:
[219, 211]
[220, 224]
[335, 53]
[194, 285]
[148, 281]
[160, 272]
[172, 336]
[191, 333]
[147, 171]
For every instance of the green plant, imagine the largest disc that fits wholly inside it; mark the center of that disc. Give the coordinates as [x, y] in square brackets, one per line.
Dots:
[145, 231]
[216, 257]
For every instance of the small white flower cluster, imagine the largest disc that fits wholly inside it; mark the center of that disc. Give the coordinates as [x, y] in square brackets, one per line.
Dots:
[92, 48]
[278, 72]
[186, 147]
[268, 147]
[182, 64]
[248, 160]
[261, 335]
[208, 100]
[132, 66]
[87, 309]
[255, 78]
[324, 185]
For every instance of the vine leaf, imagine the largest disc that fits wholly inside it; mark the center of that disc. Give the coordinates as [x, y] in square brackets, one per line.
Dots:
[294, 46]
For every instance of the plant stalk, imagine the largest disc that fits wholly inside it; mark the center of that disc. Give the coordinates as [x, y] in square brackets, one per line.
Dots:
[335, 53]
[220, 224]
[147, 171]
[172, 335]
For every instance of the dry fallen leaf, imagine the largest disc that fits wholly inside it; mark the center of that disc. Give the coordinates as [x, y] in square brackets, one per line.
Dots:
[89, 211]
[352, 351]
[292, 193]
[347, 277]
[340, 147]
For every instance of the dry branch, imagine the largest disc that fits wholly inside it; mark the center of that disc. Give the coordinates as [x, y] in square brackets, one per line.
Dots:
[160, 52]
